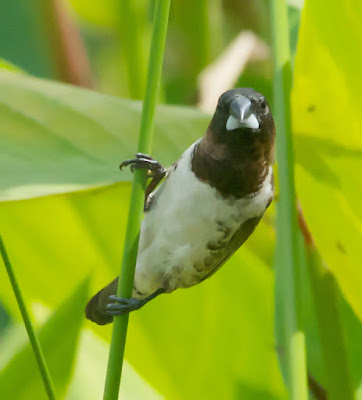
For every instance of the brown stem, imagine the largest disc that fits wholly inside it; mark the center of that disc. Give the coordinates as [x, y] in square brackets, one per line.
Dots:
[68, 50]
[316, 388]
[308, 238]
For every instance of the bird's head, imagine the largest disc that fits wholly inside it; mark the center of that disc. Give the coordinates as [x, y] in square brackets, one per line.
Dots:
[242, 114]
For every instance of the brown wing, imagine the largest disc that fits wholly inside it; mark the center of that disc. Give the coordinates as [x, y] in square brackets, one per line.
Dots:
[156, 179]
[221, 255]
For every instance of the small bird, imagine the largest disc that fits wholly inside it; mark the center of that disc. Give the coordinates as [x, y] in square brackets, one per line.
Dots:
[208, 204]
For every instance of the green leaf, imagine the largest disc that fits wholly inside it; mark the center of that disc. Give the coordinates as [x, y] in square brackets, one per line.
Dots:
[20, 378]
[90, 371]
[327, 124]
[56, 138]
[62, 239]
[314, 309]
[332, 340]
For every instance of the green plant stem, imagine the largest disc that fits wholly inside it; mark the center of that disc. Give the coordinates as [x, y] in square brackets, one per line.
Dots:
[116, 354]
[216, 29]
[34, 341]
[202, 40]
[287, 230]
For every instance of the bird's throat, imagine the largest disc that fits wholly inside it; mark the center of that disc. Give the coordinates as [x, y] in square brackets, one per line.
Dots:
[233, 172]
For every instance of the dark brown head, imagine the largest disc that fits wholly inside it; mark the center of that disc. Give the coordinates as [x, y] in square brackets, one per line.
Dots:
[242, 117]
[237, 150]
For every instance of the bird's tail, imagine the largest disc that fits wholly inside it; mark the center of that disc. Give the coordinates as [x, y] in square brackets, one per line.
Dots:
[96, 307]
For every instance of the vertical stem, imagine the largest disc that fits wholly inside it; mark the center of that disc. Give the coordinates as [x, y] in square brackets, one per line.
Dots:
[216, 29]
[34, 341]
[201, 9]
[287, 230]
[69, 54]
[116, 354]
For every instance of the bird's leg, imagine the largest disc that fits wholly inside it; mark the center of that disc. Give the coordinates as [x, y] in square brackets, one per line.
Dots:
[154, 169]
[144, 161]
[121, 306]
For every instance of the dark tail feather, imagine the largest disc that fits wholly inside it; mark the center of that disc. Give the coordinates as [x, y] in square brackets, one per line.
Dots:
[96, 307]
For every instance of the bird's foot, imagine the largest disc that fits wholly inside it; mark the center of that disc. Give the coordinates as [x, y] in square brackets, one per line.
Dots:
[121, 306]
[144, 161]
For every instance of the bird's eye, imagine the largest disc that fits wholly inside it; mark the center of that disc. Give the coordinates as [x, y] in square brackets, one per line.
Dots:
[263, 105]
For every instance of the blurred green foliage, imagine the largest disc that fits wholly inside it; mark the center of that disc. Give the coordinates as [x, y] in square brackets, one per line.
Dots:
[74, 233]
[64, 204]
[59, 338]
[22, 39]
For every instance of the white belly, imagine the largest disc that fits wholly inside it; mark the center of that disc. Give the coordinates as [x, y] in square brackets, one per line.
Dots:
[184, 218]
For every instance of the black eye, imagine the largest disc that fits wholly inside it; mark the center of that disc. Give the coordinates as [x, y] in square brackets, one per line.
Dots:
[263, 105]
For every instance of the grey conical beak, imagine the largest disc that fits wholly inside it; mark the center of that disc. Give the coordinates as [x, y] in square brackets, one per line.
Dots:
[240, 108]
[241, 115]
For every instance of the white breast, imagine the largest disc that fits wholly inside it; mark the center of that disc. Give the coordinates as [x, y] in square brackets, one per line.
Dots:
[183, 219]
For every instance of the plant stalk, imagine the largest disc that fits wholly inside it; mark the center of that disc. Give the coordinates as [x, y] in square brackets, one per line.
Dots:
[69, 54]
[287, 228]
[125, 285]
[201, 9]
[33, 338]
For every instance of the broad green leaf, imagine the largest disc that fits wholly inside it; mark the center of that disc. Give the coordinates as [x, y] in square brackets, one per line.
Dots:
[55, 241]
[327, 301]
[56, 138]
[20, 378]
[328, 125]
[348, 322]
[90, 373]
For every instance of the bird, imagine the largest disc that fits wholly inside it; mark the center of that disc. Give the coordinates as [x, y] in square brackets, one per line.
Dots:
[203, 208]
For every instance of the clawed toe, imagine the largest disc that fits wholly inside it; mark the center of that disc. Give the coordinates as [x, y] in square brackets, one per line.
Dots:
[143, 161]
[114, 299]
[143, 155]
[121, 306]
